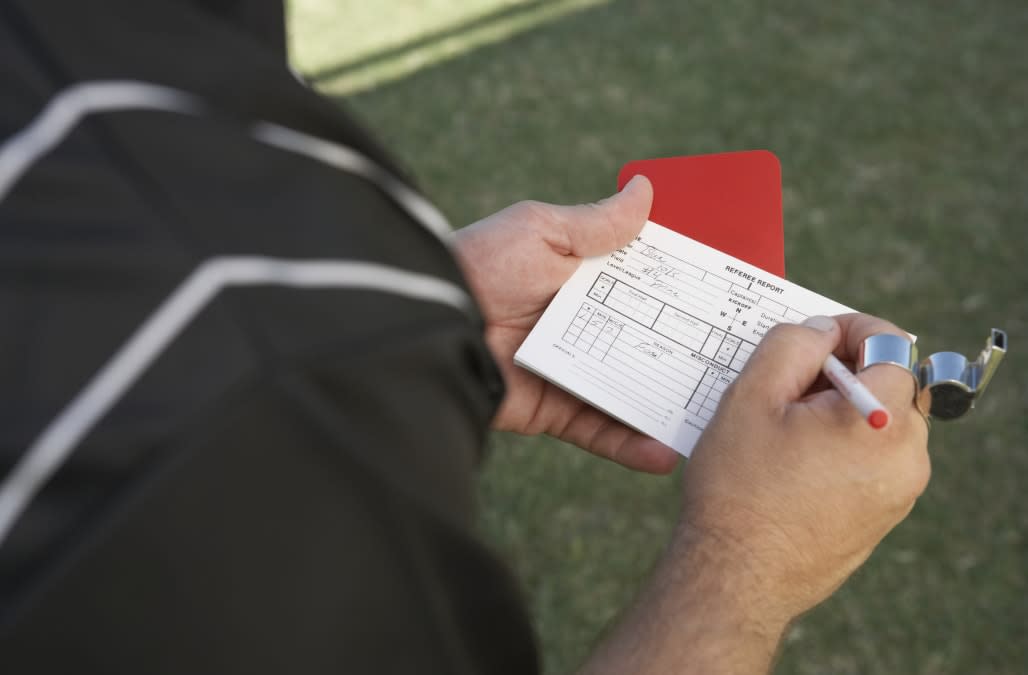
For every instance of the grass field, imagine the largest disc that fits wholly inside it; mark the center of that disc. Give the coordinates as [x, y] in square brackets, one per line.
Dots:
[902, 128]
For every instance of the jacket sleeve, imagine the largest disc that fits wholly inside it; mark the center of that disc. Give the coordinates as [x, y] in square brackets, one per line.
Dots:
[277, 477]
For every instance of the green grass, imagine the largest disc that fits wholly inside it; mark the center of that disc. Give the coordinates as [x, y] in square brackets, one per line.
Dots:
[903, 134]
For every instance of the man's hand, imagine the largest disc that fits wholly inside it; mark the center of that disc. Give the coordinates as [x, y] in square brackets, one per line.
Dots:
[515, 261]
[787, 492]
[797, 483]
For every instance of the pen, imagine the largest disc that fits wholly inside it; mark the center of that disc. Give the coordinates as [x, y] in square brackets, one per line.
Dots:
[855, 392]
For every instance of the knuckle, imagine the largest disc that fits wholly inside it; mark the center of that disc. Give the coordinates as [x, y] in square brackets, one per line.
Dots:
[922, 474]
[914, 470]
[914, 480]
[527, 208]
[921, 461]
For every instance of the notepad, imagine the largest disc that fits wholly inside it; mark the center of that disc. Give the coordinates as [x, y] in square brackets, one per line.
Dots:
[654, 333]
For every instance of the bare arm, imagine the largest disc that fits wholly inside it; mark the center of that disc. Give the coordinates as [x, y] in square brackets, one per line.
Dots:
[787, 492]
[701, 612]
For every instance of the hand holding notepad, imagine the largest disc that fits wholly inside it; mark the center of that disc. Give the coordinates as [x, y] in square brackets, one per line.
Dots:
[654, 332]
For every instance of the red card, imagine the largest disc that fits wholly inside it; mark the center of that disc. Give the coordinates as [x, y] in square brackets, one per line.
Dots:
[730, 201]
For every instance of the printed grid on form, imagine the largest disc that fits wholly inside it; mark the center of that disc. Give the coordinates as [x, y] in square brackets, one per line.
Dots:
[650, 349]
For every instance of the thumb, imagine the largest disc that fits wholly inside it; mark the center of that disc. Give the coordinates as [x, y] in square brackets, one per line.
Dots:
[595, 229]
[788, 360]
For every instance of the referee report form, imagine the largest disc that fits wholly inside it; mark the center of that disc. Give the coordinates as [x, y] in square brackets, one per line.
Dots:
[654, 333]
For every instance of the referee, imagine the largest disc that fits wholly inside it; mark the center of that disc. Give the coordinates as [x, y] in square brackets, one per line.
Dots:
[246, 373]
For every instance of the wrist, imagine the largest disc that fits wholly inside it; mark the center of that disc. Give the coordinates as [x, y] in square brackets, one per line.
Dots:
[704, 611]
[730, 579]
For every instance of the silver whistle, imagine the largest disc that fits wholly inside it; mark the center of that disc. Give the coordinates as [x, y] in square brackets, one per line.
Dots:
[947, 379]
[955, 382]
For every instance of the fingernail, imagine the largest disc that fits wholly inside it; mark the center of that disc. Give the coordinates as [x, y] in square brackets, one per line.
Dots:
[822, 323]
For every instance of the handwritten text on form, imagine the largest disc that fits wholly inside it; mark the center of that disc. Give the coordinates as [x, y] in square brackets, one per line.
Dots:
[655, 332]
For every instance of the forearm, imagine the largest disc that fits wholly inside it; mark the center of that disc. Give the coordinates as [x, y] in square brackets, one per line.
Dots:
[701, 612]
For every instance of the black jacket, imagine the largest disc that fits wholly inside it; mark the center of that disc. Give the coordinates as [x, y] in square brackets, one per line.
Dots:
[250, 369]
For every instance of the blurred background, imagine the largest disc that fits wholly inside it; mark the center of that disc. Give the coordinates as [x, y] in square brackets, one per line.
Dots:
[902, 129]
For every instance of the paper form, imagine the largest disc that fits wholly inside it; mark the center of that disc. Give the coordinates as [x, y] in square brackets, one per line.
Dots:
[653, 333]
